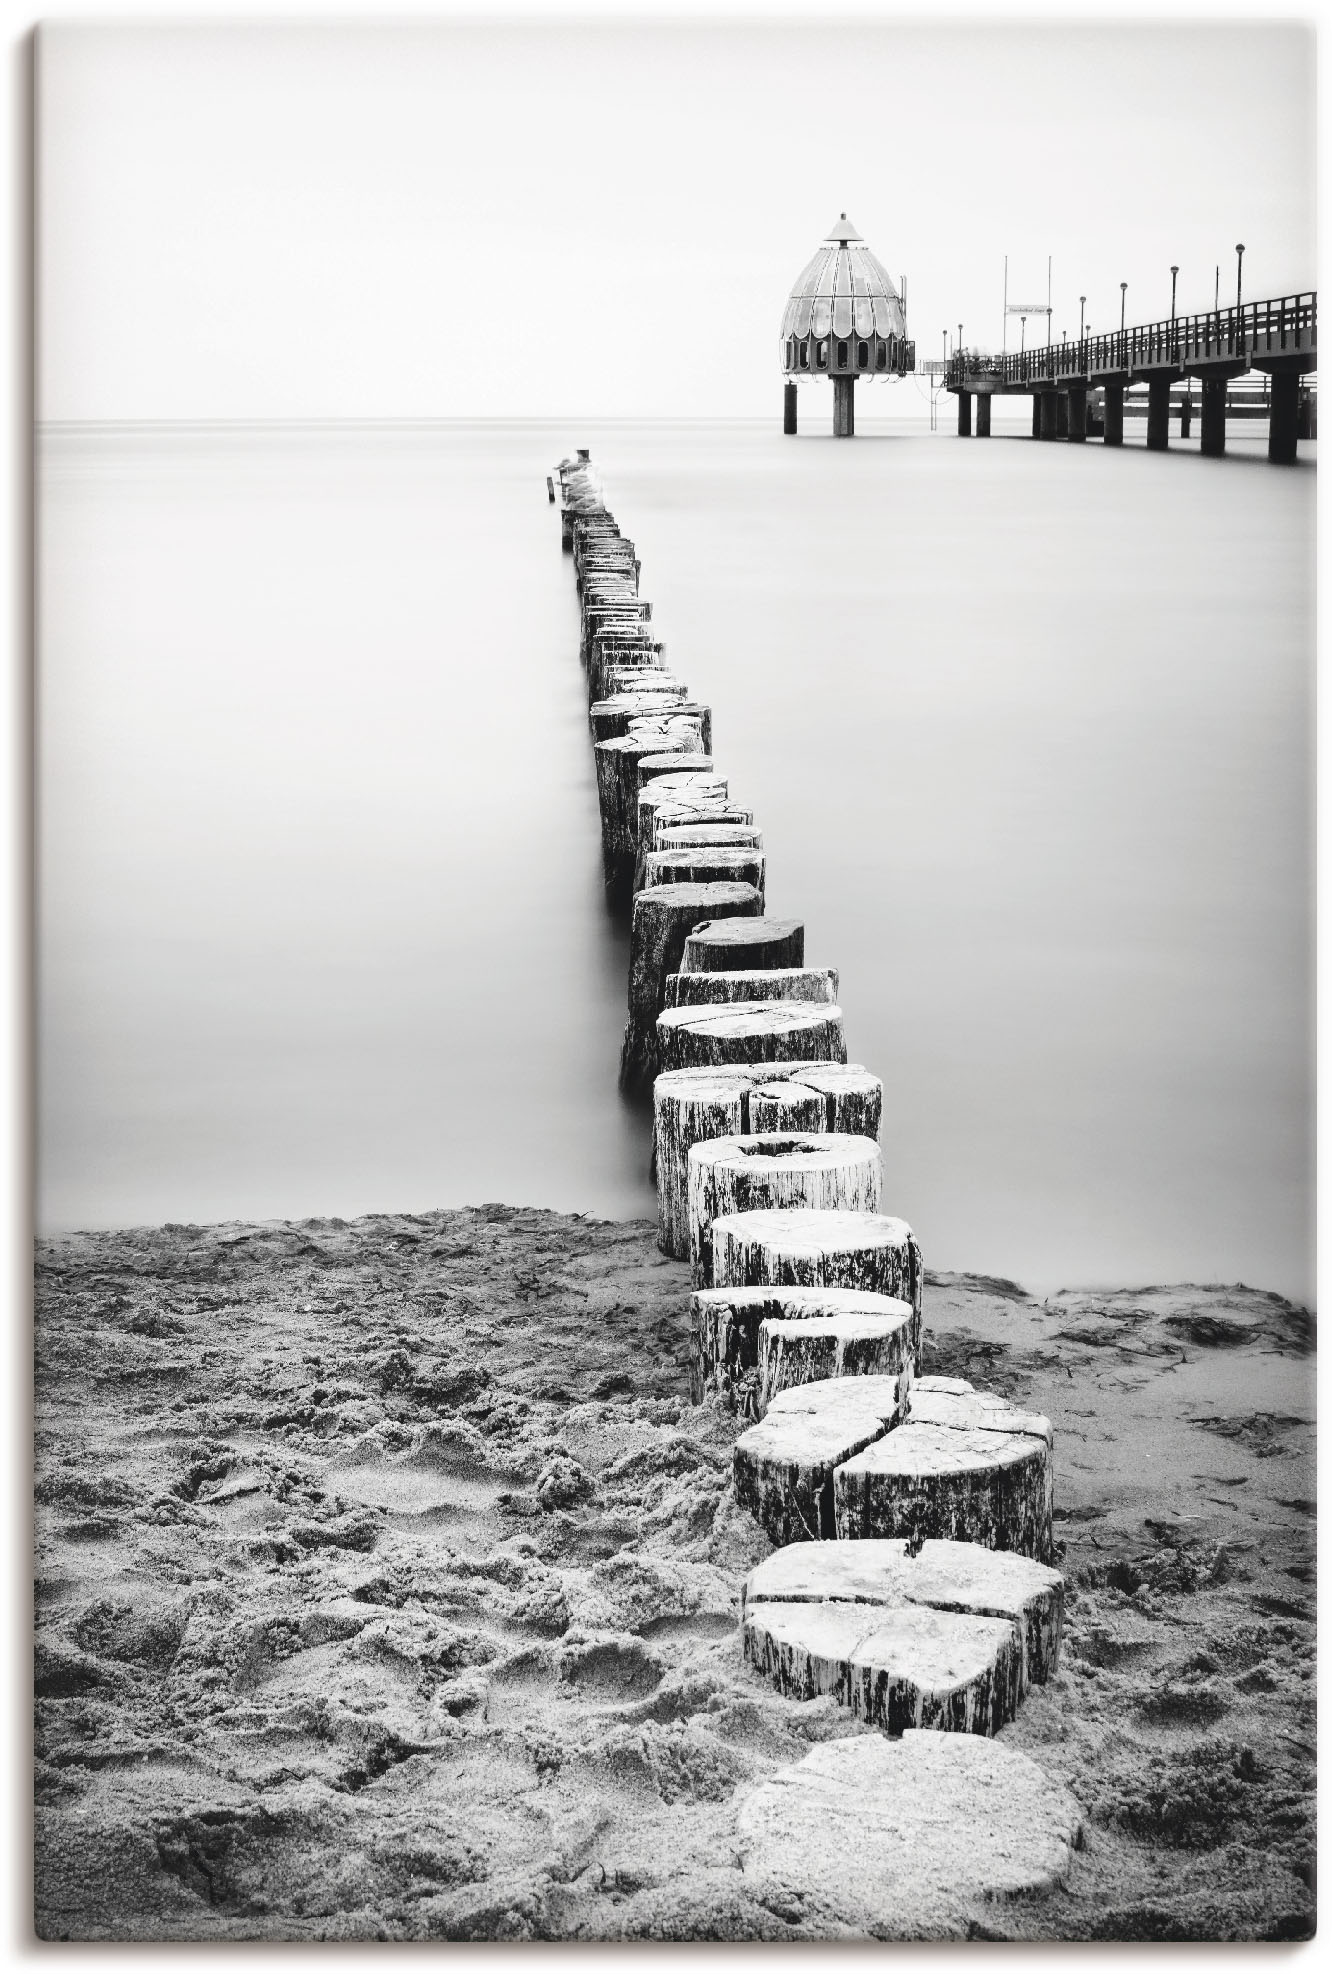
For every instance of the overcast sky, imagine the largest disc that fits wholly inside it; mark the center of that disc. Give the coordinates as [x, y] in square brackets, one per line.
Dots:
[443, 220]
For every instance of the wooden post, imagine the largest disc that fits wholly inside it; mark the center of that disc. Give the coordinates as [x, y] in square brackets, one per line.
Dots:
[726, 948]
[1049, 403]
[690, 1105]
[746, 1345]
[983, 401]
[618, 785]
[704, 864]
[1036, 414]
[964, 414]
[828, 1250]
[663, 918]
[784, 983]
[748, 1031]
[784, 1169]
[789, 410]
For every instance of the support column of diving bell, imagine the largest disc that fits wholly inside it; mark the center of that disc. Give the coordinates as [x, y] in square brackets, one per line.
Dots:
[1049, 414]
[844, 407]
[1077, 411]
[982, 414]
[789, 409]
[1114, 415]
[1158, 411]
[964, 414]
[1283, 429]
[1213, 440]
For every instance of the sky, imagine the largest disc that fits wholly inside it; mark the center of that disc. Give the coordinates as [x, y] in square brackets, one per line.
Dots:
[545, 219]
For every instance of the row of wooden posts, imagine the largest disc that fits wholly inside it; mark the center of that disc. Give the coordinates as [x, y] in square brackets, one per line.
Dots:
[912, 1514]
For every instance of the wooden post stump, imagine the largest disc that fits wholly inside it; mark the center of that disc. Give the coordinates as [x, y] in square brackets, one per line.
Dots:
[824, 1249]
[964, 1466]
[653, 767]
[746, 1345]
[685, 1115]
[745, 1175]
[787, 983]
[704, 864]
[617, 782]
[950, 1576]
[892, 1668]
[748, 1031]
[688, 836]
[662, 921]
[687, 1109]
[910, 1836]
[702, 789]
[706, 803]
[609, 718]
[782, 1469]
[778, 942]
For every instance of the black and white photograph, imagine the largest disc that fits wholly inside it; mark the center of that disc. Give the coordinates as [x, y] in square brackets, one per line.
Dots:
[673, 930]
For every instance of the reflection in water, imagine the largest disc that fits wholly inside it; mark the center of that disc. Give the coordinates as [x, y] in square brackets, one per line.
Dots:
[1027, 728]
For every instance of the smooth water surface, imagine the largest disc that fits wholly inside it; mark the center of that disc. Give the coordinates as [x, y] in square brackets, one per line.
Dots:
[1028, 729]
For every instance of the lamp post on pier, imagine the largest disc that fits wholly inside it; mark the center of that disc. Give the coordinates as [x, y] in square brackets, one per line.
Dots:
[1239, 276]
[1174, 276]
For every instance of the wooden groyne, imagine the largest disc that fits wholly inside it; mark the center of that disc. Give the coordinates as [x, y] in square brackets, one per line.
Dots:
[912, 1514]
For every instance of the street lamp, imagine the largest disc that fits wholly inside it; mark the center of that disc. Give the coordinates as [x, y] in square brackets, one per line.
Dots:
[1239, 275]
[1082, 317]
[1023, 342]
[1123, 294]
[959, 339]
[1174, 276]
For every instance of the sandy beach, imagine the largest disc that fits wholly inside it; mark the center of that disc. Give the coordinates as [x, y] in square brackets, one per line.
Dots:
[388, 1587]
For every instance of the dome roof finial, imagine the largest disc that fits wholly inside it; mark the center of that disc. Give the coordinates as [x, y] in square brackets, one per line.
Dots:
[843, 231]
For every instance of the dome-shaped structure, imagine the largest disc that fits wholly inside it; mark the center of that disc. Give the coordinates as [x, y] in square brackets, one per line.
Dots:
[845, 319]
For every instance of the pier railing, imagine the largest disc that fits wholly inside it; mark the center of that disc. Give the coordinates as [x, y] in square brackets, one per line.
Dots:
[1256, 332]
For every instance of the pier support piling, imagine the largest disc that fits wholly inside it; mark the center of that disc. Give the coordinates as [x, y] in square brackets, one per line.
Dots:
[1035, 414]
[1213, 440]
[1158, 412]
[983, 415]
[1049, 403]
[1061, 414]
[964, 414]
[1186, 413]
[844, 407]
[1077, 412]
[1283, 428]
[789, 411]
[1114, 415]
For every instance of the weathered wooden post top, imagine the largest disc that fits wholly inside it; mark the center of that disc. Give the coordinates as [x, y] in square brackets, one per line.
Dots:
[845, 319]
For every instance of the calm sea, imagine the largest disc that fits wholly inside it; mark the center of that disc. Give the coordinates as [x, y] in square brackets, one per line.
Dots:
[1028, 728]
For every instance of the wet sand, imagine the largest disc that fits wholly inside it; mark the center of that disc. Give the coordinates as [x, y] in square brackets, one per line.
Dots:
[387, 1588]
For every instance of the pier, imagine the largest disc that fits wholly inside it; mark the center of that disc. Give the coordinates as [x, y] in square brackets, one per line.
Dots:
[1278, 338]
